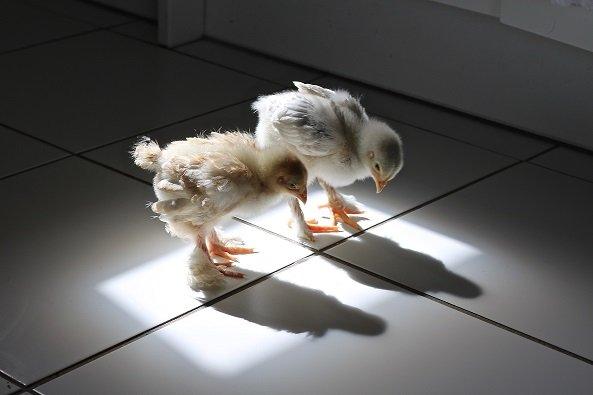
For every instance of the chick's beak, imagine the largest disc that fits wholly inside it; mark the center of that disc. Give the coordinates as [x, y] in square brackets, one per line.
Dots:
[380, 184]
[302, 195]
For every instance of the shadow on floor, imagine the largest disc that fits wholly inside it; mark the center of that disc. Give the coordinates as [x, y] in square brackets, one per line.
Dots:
[412, 268]
[288, 307]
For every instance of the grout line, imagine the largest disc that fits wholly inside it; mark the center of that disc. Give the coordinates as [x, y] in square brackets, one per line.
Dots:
[405, 212]
[224, 66]
[265, 55]
[70, 154]
[35, 167]
[462, 310]
[37, 138]
[302, 244]
[418, 207]
[101, 6]
[122, 24]
[445, 136]
[415, 100]
[93, 30]
[155, 328]
[325, 74]
[458, 113]
[114, 170]
[174, 50]
[408, 211]
[561, 172]
[154, 129]
[16, 383]
[147, 131]
[314, 251]
[539, 153]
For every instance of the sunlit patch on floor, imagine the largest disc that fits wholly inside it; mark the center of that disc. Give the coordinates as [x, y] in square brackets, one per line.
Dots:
[422, 240]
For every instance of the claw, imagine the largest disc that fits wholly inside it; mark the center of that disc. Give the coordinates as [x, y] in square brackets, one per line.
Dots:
[239, 250]
[216, 250]
[341, 215]
[227, 271]
[322, 228]
[314, 227]
[226, 252]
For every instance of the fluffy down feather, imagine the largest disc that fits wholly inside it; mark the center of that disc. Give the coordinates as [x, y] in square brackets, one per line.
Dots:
[334, 137]
[199, 181]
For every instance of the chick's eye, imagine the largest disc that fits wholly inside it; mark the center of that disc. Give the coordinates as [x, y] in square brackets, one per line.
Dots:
[293, 186]
[377, 167]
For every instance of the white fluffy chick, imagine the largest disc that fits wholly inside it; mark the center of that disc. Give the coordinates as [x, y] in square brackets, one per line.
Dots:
[336, 140]
[200, 181]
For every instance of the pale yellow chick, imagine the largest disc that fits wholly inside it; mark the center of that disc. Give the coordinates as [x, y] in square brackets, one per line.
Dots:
[200, 181]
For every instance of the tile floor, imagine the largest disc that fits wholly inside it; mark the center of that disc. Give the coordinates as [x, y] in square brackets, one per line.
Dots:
[473, 273]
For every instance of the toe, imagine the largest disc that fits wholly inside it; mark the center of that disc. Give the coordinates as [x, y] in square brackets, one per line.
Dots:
[219, 252]
[225, 270]
[323, 228]
[239, 250]
[344, 218]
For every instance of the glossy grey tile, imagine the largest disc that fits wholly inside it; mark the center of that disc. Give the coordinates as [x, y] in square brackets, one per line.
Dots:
[117, 155]
[19, 152]
[322, 328]
[142, 30]
[515, 247]
[568, 161]
[22, 25]
[457, 126]
[7, 387]
[85, 266]
[85, 11]
[97, 88]
[433, 165]
[261, 66]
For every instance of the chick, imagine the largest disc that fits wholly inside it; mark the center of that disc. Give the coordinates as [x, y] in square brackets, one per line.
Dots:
[336, 140]
[200, 181]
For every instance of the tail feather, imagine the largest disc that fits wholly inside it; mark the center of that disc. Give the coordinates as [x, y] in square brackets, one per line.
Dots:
[146, 154]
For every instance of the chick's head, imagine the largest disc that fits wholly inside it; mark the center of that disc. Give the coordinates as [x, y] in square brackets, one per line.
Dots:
[381, 152]
[290, 177]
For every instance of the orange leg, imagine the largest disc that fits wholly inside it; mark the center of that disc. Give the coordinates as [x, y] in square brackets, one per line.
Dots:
[341, 215]
[339, 208]
[314, 227]
[306, 228]
[217, 247]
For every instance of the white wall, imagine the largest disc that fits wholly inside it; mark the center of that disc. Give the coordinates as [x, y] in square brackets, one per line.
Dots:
[453, 57]
[570, 25]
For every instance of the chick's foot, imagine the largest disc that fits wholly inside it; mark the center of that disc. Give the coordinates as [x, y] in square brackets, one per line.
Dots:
[228, 251]
[310, 227]
[340, 213]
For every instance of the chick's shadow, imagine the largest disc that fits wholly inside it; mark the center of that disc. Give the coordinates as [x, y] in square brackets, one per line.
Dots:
[417, 270]
[291, 308]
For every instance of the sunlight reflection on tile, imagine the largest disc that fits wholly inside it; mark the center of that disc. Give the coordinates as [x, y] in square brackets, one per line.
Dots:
[148, 291]
[240, 344]
[226, 345]
[413, 255]
[422, 240]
